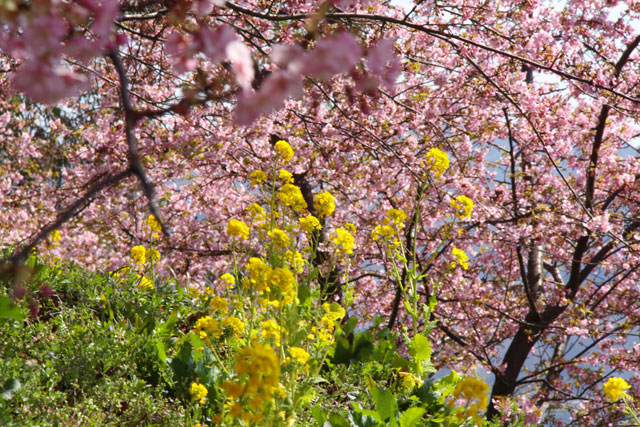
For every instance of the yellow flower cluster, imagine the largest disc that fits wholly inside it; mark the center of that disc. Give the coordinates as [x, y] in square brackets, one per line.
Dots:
[236, 325]
[255, 213]
[476, 392]
[295, 260]
[257, 177]
[324, 204]
[343, 240]
[228, 279]
[271, 329]
[408, 380]
[385, 233]
[219, 304]
[615, 389]
[237, 228]
[206, 328]
[144, 282]
[438, 161]
[392, 225]
[123, 271]
[290, 195]
[279, 283]
[298, 354]
[153, 224]
[284, 150]
[282, 285]
[259, 274]
[324, 333]
[463, 206]
[279, 238]
[198, 392]
[310, 223]
[397, 216]
[461, 258]
[55, 238]
[139, 254]
[257, 383]
[285, 176]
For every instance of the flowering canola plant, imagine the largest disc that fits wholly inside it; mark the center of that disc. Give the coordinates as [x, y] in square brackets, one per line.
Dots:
[275, 342]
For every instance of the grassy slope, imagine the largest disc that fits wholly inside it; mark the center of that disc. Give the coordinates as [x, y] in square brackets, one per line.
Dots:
[88, 357]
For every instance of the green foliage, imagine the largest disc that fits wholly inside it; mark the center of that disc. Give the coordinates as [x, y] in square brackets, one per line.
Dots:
[100, 350]
[87, 357]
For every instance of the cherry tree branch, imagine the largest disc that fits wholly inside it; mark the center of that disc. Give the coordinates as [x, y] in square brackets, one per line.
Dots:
[66, 214]
[131, 117]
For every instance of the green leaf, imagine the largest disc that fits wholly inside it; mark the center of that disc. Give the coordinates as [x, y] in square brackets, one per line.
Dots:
[166, 329]
[385, 403]
[304, 293]
[9, 310]
[350, 325]
[336, 420]
[411, 416]
[365, 418]
[420, 348]
[162, 354]
[446, 385]
[198, 344]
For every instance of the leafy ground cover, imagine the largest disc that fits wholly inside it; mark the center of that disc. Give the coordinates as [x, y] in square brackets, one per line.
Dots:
[85, 348]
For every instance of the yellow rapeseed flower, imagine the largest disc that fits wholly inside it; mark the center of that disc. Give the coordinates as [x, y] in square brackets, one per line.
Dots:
[219, 304]
[397, 216]
[153, 224]
[472, 390]
[285, 176]
[409, 381]
[228, 279]
[615, 389]
[257, 177]
[271, 329]
[284, 150]
[259, 273]
[343, 240]
[55, 237]
[295, 260]
[463, 205]
[438, 161]
[382, 232]
[334, 310]
[237, 228]
[236, 325]
[299, 355]
[310, 223]
[144, 282]
[198, 392]
[153, 254]
[139, 254]
[461, 258]
[324, 204]
[262, 366]
[283, 282]
[255, 212]
[279, 238]
[207, 327]
[290, 195]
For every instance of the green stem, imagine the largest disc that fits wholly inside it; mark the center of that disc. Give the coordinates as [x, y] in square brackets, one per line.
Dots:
[630, 410]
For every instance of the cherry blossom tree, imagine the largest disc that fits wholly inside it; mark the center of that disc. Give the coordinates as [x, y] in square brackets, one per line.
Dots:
[112, 110]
